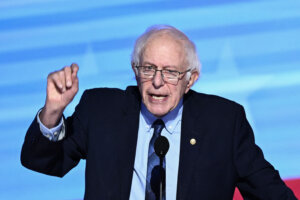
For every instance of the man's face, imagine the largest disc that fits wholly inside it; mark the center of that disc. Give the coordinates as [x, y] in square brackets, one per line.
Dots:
[159, 96]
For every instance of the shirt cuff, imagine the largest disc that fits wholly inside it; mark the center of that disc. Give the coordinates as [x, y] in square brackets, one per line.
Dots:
[54, 134]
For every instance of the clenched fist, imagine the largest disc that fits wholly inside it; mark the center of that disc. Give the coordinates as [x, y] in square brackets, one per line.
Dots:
[62, 86]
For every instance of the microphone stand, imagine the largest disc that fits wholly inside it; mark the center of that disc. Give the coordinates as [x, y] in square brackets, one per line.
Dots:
[161, 147]
[161, 181]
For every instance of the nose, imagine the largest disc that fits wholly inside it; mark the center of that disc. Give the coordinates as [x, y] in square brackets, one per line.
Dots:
[158, 80]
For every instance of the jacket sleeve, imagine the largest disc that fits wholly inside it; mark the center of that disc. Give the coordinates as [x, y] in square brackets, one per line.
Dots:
[57, 158]
[257, 178]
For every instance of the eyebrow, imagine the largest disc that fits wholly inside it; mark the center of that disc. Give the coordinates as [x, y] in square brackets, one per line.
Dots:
[164, 67]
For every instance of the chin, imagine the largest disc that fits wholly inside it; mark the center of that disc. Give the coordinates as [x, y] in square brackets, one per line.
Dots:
[159, 112]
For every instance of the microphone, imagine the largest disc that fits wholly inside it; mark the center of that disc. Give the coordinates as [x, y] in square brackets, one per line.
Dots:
[161, 147]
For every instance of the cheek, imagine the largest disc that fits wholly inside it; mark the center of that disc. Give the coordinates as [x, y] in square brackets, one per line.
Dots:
[175, 94]
[143, 88]
[179, 91]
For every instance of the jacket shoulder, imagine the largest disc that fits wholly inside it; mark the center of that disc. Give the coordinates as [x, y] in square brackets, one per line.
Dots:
[210, 100]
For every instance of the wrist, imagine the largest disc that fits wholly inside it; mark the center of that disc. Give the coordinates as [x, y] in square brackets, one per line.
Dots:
[50, 117]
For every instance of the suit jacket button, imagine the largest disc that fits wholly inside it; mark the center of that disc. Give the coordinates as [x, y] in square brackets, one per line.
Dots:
[193, 141]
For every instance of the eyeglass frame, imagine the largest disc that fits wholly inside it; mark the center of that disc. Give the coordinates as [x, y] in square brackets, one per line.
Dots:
[162, 74]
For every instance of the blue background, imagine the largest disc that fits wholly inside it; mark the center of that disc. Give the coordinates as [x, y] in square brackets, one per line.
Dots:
[250, 52]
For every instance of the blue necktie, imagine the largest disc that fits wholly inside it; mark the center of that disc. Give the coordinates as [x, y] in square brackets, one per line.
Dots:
[153, 168]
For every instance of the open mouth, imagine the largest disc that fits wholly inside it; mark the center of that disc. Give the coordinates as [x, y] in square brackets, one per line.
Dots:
[158, 97]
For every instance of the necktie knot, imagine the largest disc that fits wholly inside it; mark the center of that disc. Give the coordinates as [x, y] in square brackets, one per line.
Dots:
[158, 125]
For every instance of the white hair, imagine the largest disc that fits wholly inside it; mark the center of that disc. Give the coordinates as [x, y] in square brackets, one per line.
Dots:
[189, 47]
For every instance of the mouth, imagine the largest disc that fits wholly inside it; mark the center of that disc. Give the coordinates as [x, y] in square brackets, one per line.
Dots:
[158, 97]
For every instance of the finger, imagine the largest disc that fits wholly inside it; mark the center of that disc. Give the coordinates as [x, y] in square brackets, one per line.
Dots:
[75, 85]
[74, 68]
[54, 79]
[62, 79]
[68, 76]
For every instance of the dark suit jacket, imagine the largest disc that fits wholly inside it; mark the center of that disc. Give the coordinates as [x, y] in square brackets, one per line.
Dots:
[103, 130]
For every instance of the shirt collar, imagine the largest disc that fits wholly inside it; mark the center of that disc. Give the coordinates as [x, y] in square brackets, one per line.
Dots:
[171, 120]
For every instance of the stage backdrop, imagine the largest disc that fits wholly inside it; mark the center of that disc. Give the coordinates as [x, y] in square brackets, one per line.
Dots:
[250, 53]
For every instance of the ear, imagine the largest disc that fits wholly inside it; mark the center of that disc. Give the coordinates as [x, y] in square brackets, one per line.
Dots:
[134, 71]
[193, 78]
[133, 67]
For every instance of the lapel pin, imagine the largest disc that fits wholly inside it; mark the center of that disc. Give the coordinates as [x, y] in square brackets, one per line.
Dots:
[193, 141]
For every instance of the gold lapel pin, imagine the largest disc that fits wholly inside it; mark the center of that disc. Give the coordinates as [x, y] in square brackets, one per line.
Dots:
[193, 141]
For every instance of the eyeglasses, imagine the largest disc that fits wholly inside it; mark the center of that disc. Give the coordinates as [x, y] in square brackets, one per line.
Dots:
[169, 76]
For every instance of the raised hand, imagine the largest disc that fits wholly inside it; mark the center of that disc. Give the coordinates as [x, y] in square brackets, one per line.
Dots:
[62, 87]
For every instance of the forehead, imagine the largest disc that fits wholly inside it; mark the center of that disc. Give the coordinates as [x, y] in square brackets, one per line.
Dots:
[164, 50]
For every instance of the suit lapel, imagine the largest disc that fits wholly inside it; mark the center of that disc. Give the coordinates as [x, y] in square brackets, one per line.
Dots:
[190, 145]
[129, 124]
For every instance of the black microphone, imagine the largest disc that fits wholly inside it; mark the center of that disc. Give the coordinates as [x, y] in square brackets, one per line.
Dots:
[161, 147]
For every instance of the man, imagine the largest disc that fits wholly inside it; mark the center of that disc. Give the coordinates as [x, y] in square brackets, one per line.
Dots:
[212, 148]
